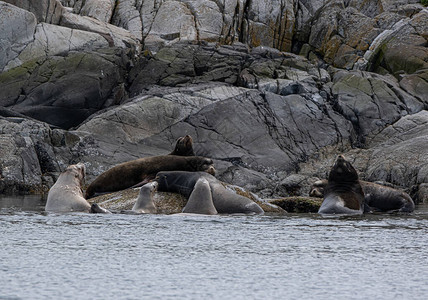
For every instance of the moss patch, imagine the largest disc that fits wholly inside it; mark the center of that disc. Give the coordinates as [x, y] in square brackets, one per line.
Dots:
[298, 204]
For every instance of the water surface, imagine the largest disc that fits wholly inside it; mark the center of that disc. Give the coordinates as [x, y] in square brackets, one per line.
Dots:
[298, 256]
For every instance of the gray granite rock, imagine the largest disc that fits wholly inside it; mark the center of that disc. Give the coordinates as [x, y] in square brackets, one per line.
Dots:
[272, 121]
[47, 11]
[65, 90]
[17, 27]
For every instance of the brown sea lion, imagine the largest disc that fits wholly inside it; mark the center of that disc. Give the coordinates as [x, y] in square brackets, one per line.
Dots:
[377, 197]
[205, 194]
[184, 146]
[66, 194]
[140, 171]
[343, 193]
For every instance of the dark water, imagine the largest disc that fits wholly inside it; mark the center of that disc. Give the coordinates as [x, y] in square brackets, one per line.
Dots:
[83, 256]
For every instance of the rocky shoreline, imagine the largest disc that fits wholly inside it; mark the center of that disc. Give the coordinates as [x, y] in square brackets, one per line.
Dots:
[271, 90]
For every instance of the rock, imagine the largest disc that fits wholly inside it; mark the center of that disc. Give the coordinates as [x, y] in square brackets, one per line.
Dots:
[360, 34]
[298, 204]
[127, 16]
[399, 153]
[169, 203]
[407, 54]
[416, 84]
[17, 28]
[64, 90]
[51, 40]
[48, 11]
[114, 36]
[101, 10]
[23, 144]
[371, 102]
[110, 85]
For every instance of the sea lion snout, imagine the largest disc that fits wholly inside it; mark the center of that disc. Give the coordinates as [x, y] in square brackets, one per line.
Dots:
[150, 187]
[211, 170]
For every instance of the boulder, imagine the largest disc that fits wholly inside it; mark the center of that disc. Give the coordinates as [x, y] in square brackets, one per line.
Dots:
[47, 11]
[371, 102]
[399, 154]
[17, 27]
[65, 90]
[101, 10]
[50, 40]
[113, 35]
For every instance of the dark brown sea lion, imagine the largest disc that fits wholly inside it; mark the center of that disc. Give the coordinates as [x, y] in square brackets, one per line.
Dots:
[206, 194]
[140, 171]
[184, 146]
[343, 193]
[377, 197]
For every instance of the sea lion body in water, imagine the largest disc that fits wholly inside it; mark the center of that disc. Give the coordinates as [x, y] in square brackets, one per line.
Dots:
[377, 197]
[66, 194]
[205, 185]
[343, 193]
[140, 171]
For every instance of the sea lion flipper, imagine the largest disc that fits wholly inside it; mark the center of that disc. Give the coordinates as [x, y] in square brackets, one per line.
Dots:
[96, 209]
[200, 200]
[146, 180]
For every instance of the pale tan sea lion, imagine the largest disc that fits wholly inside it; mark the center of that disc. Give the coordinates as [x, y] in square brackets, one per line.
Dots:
[200, 200]
[145, 204]
[66, 194]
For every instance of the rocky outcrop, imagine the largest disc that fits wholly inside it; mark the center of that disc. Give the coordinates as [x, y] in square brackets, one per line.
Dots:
[111, 81]
[45, 11]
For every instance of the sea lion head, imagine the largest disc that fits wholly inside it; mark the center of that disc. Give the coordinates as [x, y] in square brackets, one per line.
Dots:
[78, 170]
[317, 189]
[342, 170]
[208, 166]
[184, 146]
[203, 164]
[149, 188]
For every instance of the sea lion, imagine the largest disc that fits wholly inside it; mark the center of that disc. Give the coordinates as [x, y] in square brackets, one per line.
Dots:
[343, 193]
[377, 197]
[184, 146]
[66, 194]
[225, 201]
[145, 204]
[140, 171]
[200, 200]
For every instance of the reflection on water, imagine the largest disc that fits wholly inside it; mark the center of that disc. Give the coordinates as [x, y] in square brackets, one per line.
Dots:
[83, 256]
